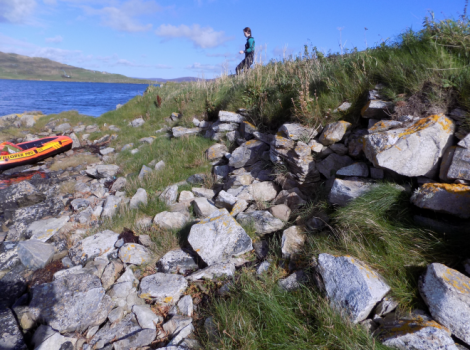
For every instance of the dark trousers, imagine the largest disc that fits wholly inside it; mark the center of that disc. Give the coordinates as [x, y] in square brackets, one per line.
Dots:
[246, 63]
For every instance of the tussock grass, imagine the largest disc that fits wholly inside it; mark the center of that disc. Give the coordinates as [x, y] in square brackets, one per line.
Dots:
[67, 187]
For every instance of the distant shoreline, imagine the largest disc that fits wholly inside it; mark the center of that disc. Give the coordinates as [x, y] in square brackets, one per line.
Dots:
[145, 82]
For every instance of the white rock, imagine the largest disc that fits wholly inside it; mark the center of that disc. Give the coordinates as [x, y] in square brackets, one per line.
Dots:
[137, 122]
[292, 242]
[139, 198]
[230, 117]
[93, 246]
[136, 254]
[345, 190]
[226, 269]
[334, 132]
[110, 206]
[202, 207]
[169, 195]
[177, 261]
[179, 131]
[160, 165]
[163, 288]
[42, 230]
[203, 192]
[264, 191]
[170, 220]
[263, 221]
[146, 317]
[225, 200]
[35, 254]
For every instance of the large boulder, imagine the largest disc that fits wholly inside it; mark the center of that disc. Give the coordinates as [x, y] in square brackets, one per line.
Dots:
[351, 285]
[445, 198]
[248, 153]
[263, 221]
[93, 246]
[218, 237]
[170, 220]
[412, 151]
[72, 303]
[345, 190]
[163, 288]
[447, 294]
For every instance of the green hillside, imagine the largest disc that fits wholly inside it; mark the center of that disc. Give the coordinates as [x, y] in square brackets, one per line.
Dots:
[13, 66]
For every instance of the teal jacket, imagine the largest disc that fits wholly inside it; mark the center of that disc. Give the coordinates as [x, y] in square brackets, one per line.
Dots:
[250, 45]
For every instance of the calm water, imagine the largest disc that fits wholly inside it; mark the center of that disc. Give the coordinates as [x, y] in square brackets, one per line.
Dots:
[94, 99]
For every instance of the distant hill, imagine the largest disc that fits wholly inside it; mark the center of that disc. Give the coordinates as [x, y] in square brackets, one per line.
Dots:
[176, 80]
[13, 66]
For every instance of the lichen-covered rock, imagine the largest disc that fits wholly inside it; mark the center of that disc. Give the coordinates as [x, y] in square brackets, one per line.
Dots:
[416, 334]
[334, 132]
[218, 237]
[412, 151]
[136, 254]
[345, 190]
[139, 198]
[263, 221]
[297, 131]
[230, 117]
[102, 171]
[460, 165]
[248, 153]
[447, 294]
[35, 254]
[170, 194]
[351, 285]
[177, 261]
[11, 337]
[93, 246]
[226, 269]
[216, 152]
[171, 220]
[264, 191]
[163, 288]
[42, 230]
[110, 206]
[180, 131]
[445, 198]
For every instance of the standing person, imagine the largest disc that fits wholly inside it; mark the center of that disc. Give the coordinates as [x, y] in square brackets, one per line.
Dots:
[249, 52]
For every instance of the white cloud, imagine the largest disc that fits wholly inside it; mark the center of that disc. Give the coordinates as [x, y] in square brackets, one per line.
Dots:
[55, 40]
[204, 37]
[123, 18]
[16, 11]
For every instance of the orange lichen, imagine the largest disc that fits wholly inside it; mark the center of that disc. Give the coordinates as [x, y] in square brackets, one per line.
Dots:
[426, 122]
[411, 326]
[460, 282]
[453, 188]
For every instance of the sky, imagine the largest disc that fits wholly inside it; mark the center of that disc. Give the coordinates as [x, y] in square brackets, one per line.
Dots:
[200, 38]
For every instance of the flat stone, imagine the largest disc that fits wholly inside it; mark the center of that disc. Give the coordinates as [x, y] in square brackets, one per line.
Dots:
[263, 221]
[42, 230]
[334, 132]
[203, 192]
[171, 220]
[146, 317]
[136, 254]
[139, 198]
[185, 306]
[202, 207]
[179, 131]
[148, 140]
[264, 191]
[177, 261]
[160, 165]
[35, 254]
[239, 207]
[216, 152]
[127, 146]
[196, 179]
[348, 189]
[356, 169]
[447, 294]
[296, 132]
[11, 337]
[331, 164]
[71, 304]
[351, 285]
[186, 197]
[102, 171]
[137, 122]
[93, 246]
[293, 281]
[221, 270]
[45, 338]
[280, 211]
[144, 171]
[169, 195]
[162, 288]
[225, 127]
[63, 128]
[106, 151]
[413, 151]
[225, 200]
[460, 165]
[230, 117]
[248, 153]
[292, 242]
[110, 206]
[377, 109]
[444, 198]
[218, 238]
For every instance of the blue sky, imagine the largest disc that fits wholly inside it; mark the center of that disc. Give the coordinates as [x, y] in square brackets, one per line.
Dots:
[169, 39]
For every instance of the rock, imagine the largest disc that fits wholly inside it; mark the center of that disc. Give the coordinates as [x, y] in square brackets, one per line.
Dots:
[102, 171]
[127, 146]
[19, 195]
[202, 207]
[230, 117]
[42, 230]
[178, 327]
[292, 242]
[356, 169]
[216, 152]
[136, 254]
[414, 151]
[75, 141]
[11, 337]
[225, 200]
[351, 285]
[179, 131]
[445, 198]
[110, 206]
[465, 142]
[160, 165]
[203, 192]
[348, 189]
[292, 198]
[225, 127]
[162, 288]
[297, 132]
[169, 195]
[63, 128]
[106, 151]
[263, 221]
[186, 197]
[334, 132]
[177, 261]
[146, 317]
[263, 267]
[196, 179]
[447, 294]
[339, 148]
[460, 166]
[377, 109]
[386, 306]
[170, 221]
[93, 246]
[221, 270]
[119, 184]
[116, 315]
[416, 334]
[331, 164]
[137, 122]
[264, 191]
[149, 140]
[221, 170]
[79, 203]
[293, 281]
[35, 254]
[247, 154]
[376, 173]
[239, 207]
[144, 171]
[344, 106]
[45, 338]
[218, 237]
[140, 198]
[71, 304]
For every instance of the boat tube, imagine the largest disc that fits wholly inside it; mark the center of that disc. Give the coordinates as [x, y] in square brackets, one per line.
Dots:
[13, 155]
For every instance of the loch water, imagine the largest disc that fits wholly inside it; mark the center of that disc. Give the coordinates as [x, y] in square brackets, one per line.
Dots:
[50, 97]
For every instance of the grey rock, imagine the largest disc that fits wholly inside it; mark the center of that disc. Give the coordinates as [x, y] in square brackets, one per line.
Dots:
[45, 338]
[202, 207]
[146, 317]
[35, 254]
[144, 171]
[239, 207]
[170, 194]
[292, 198]
[11, 337]
[137, 122]
[179, 131]
[63, 128]
[465, 142]
[348, 189]
[218, 237]
[376, 173]
[339, 148]
[177, 261]
[149, 140]
[79, 203]
[356, 169]
[221, 170]
[163, 288]
[139, 198]
[19, 195]
[185, 306]
[264, 191]
[171, 220]
[344, 106]
[334, 132]
[196, 179]
[293, 281]
[445, 198]
[225, 200]
[460, 166]
[280, 211]
[186, 197]
[216, 152]
[261, 249]
[203, 192]
[247, 154]
[160, 165]
[44, 229]
[106, 151]
[225, 127]
[75, 141]
[412, 151]
[119, 184]
[377, 109]
[263, 267]
[116, 315]
[71, 304]
[292, 242]
[230, 117]
[386, 306]
[136, 254]
[351, 285]
[263, 221]
[331, 164]
[447, 294]
[297, 131]
[103, 171]
[127, 146]
[93, 246]
[110, 206]
[221, 270]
